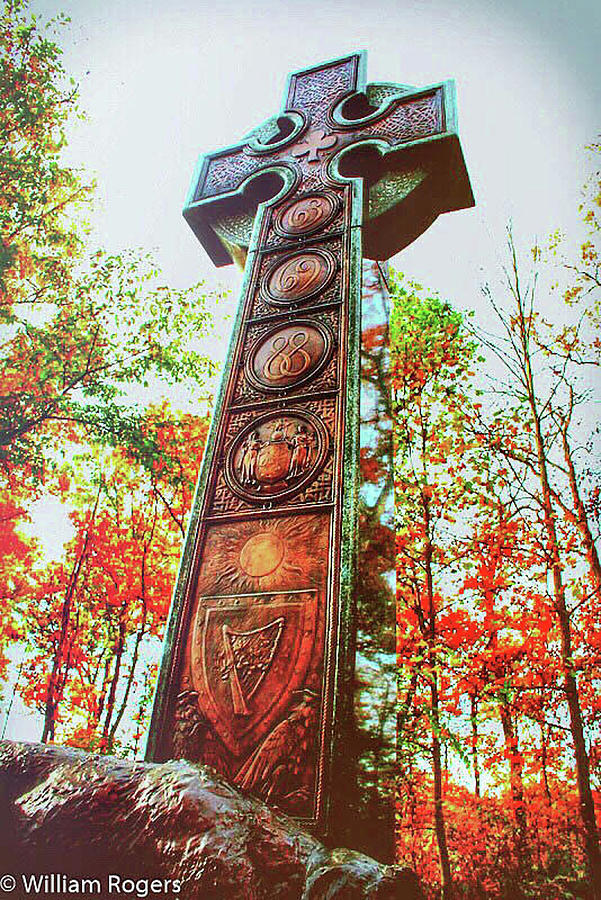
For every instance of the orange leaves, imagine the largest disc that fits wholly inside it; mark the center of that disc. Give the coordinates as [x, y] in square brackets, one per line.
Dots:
[83, 333]
[372, 337]
[481, 842]
[478, 638]
[109, 596]
[498, 580]
[370, 466]
[588, 252]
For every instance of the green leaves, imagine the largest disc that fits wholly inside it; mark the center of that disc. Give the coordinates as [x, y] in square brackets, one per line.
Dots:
[92, 342]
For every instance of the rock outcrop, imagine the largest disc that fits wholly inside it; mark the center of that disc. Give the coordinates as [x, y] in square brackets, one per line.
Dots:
[126, 826]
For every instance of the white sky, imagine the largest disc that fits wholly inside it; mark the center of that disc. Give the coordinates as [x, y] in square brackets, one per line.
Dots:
[165, 81]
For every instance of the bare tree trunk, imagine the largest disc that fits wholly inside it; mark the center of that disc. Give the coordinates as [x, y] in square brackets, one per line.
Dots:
[439, 820]
[544, 760]
[139, 636]
[587, 807]
[130, 678]
[103, 692]
[517, 786]
[110, 703]
[475, 760]
[59, 672]
[579, 515]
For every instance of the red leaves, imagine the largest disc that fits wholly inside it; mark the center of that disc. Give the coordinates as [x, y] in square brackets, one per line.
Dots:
[370, 466]
[479, 636]
[111, 591]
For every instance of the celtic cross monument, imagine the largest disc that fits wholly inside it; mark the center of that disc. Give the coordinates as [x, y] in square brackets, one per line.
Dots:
[257, 675]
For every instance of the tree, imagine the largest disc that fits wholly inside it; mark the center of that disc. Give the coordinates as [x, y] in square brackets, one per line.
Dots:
[499, 580]
[78, 326]
[89, 338]
[92, 617]
[431, 358]
[481, 659]
[543, 397]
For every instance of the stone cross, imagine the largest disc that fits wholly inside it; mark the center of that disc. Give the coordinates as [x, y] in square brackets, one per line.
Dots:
[257, 672]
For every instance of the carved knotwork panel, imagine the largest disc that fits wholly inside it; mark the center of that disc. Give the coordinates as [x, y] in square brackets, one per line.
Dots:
[226, 171]
[315, 92]
[315, 175]
[409, 121]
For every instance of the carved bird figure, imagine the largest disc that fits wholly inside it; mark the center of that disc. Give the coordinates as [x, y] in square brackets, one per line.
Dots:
[193, 738]
[275, 770]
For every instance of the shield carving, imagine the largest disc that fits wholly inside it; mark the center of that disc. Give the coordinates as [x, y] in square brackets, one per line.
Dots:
[273, 462]
[250, 652]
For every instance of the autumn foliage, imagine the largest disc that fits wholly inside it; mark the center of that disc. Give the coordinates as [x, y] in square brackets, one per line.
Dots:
[498, 587]
[493, 442]
[90, 339]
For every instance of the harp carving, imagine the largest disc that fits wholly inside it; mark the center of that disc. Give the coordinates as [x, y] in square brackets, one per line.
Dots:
[249, 655]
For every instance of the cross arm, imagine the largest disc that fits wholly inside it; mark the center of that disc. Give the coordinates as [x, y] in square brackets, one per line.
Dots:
[406, 147]
[403, 142]
[226, 187]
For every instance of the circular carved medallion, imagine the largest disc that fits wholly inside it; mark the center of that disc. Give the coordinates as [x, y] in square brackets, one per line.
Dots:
[307, 215]
[276, 456]
[289, 355]
[298, 277]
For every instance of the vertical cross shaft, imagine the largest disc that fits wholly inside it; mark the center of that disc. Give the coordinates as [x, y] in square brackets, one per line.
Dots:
[257, 674]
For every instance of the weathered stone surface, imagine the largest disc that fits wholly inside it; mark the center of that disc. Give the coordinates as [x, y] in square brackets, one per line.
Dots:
[69, 812]
[258, 669]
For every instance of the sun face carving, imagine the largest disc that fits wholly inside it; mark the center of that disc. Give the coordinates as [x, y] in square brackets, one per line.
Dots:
[264, 555]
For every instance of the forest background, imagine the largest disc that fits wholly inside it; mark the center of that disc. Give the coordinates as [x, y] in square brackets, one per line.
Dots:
[106, 387]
